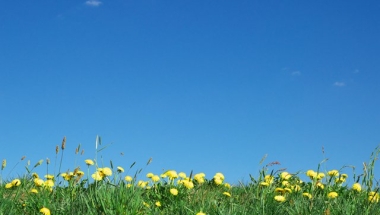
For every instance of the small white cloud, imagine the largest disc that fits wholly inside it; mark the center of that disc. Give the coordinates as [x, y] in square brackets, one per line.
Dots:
[296, 73]
[339, 84]
[93, 3]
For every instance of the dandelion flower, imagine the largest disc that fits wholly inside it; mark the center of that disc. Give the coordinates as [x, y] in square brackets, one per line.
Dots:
[16, 182]
[49, 183]
[265, 184]
[89, 162]
[333, 173]
[218, 181]
[279, 198]
[97, 176]
[106, 171]
[128, 178]
[320, 185]
[158, 204]
[149, 175]
[171, 174]
[269, 179]
[182, 175]
[120, 169]
[285, 175]
[45, 211]
[332, 195]
[155, 178]
[8, 185]
[35, 175]
[200, 177]
[219, 175]
[357, 187]
[200, 213]
[308, 195]
[174, 191]
[373, 197]
[38, 182]
[227, 194]
[34, 190]
[320, 175]
[188, 184]
[227, 185]
[49, 176]
[311, 174]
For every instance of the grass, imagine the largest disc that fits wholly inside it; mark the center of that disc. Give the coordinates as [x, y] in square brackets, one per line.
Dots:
[109, 190]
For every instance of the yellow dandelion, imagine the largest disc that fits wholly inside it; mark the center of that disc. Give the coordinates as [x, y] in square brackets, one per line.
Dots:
[97, 176]
[149, 175]
[34, 190]
[269, 179]
[200, 178]
[49, 183]
[8, 185]
[106, 171]
[308, 195]
[182, 175]
[285, 175]
[171, 174]
[227, 194]
[373, 197]
[265, 184]
[200, 213]
[16, 182]
[333, 173]
[311, 174]
[38, 182]
[45, 211]
[174, 191]
[35, 175]
[219, 175]
[188, 184]
[227, 185]
[332, 195]
[128, 178]
[155, 178]
[120, 169]
[49, 176]
[158, 204]
[357, 187]
[279, 198]
[218, 181]
[320, 175]
[89, 162]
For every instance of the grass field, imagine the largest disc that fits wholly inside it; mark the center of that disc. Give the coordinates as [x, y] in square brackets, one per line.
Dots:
[109, 190]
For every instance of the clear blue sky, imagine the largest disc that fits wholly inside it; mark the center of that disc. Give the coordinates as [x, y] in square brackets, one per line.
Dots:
[209, 86]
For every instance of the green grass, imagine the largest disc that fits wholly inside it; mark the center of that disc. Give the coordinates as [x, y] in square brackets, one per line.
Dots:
[272, 192]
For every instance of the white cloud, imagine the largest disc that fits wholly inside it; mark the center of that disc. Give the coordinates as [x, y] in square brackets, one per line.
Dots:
[296, 73]
[93, 3]
[339, 84]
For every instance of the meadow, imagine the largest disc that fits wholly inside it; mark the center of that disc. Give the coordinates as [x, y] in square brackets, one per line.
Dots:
[95, 189]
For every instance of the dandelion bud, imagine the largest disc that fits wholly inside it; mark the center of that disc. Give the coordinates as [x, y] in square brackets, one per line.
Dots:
[82, 152]
[23, 157]
[47, 161]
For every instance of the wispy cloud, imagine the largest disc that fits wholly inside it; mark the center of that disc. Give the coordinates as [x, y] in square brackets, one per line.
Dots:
[296, 73]
[93, 3]
[339, 84]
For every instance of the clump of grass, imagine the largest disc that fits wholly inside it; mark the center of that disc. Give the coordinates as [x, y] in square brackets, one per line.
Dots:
[112, 190]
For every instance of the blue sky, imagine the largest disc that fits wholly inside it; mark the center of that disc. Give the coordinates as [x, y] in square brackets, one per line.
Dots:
[208, 86]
